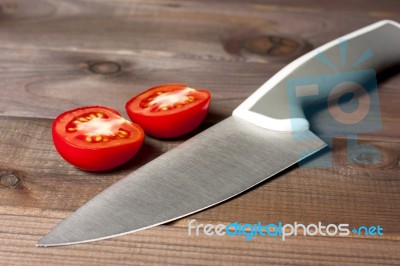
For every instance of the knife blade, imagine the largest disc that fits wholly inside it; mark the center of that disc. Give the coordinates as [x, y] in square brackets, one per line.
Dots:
[255, 143]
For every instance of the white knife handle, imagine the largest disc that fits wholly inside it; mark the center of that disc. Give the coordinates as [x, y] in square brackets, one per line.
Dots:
[270, 107]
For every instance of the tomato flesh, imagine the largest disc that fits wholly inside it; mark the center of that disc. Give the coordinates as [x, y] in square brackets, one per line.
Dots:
[169, 111]
[96, 138]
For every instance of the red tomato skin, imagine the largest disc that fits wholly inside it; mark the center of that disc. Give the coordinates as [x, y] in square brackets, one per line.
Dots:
[172, 125]
[95, 159]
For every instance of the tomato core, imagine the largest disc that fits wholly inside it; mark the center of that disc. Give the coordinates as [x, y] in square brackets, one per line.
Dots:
[98, 127]
[168, 100]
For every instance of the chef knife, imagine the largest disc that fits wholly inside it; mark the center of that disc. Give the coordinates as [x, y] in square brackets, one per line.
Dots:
[266, 134]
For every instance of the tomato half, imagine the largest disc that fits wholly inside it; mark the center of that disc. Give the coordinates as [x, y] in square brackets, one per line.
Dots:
[169, 111]
[96, 138]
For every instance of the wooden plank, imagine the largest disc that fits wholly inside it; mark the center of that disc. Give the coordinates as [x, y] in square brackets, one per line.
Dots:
[39, 83]
[51, 63]
[39, 189]
[190, 29]
[44, 180]
[171, 245]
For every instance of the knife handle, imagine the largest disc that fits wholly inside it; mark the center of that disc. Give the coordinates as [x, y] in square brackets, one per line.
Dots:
[278, 104]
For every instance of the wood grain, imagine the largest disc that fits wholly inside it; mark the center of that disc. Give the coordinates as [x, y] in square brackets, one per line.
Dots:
[45, 189]
[58, 54]
[55, 69]
[170, 245]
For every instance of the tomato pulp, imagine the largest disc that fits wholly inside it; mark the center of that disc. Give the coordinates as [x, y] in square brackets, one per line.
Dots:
[169, 111]
[96, 138]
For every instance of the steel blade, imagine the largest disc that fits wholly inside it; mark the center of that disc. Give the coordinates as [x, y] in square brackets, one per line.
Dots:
[213, 166]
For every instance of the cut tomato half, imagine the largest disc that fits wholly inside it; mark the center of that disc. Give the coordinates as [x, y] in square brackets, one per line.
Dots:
[96, 138]
[169, 111]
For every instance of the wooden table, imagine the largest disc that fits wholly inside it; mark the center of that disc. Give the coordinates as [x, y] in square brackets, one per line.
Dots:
[57, 55]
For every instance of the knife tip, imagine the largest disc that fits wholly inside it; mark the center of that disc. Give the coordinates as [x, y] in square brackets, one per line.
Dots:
[43, 243]
[48, 241]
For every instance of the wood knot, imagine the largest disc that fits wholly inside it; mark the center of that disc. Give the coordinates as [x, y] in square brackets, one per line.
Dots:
[8, 8]
[270, 45]
[105, 67]
[10, 179]
[374, 155]
[366, 158]
[250, 44]
[364, 155]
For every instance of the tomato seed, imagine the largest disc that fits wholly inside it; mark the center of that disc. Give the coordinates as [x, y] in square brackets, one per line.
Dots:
[92, 115]
[71, 129]
[98, 138]
[82, 119]
[88, 139]
[100, 115]
[123, 132]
